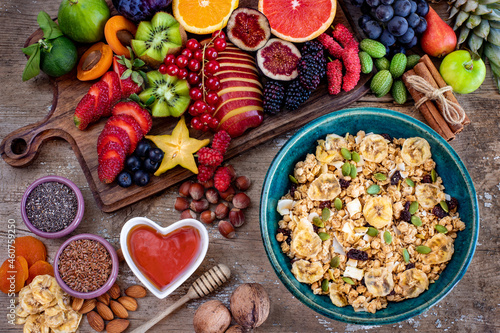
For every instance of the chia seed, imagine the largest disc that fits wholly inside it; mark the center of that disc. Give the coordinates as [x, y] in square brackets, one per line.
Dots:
[51, 206]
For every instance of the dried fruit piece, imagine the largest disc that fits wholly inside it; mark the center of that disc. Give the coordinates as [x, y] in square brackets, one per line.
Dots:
[31, 249]
[13, 268]
[248, 29]
[41, 267]
[279, 59]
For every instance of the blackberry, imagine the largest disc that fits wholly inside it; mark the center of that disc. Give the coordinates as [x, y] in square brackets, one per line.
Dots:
[312, 47]
[274, 93]
[311, 68]
[295, 95]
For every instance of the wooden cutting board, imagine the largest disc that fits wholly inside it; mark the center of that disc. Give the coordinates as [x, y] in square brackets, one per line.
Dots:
[20, 148]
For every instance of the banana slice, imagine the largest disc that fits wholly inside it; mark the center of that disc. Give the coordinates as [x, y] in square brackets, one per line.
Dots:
[378, 211]
[374, 148]
[21, 315]
[337, 298]
[35, 324]
[441, 249]
[415, 151]
[71, 324]
[307, 272]
[428, 195]
[63, 299]
[54, 316]
[328, 150]
[413, 282]
[325, 187]
[306, 244]
[379, 281]
[44, 288]
[28, 303]
[304, 225]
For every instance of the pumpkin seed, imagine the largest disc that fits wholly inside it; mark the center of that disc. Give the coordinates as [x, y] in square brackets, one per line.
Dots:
[337, 203]
[444, 205]
[325, 214]
[423, 249]
[373, 189]
[417, 222]
[346, 169]
[348, 280]
[292, 179]
[354, 172]
[325, 285]
[372, 231]
[346, 153]
[441, 228]
[380, 176]
[410, 182]
[355, 157]
[335, 262]
[413, 207]
[318, 222]
[387, 237]
[406, 256]
[324, 236]
[433, 175]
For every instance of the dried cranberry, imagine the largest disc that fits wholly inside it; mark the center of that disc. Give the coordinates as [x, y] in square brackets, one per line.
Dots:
[357, 255]
[410, 265]
[396, 177]
[386, 136]
[405, 216]
[439, 212]
[427, 179]
[287, 233]
[452, 203]
[407, 205]
[293, 188]
[344, 183]
[325, 204]
[392, 293]
[316, 228]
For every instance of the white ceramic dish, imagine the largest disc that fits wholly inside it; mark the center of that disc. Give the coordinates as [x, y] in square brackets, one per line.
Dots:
[179, 224]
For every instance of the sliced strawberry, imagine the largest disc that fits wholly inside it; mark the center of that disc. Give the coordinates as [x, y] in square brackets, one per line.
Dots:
[115, 91]
[128, 86]
[84, 112]
[100, 91]
[130, 126]
[117, 67]
[131, 108]
[115, 134]
[111, 161]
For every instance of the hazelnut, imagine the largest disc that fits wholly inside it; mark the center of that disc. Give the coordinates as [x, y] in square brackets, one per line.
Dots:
[212, 195]
[231, 170]
[207, 217]
[188, 214]
[236, 217]
[199, 205]
[184, 188]
[242, 183]
[226, 229]
[208, 184]
[181, 204]
[228, 194]
[241, 201]
[196, 191]
[222, 210]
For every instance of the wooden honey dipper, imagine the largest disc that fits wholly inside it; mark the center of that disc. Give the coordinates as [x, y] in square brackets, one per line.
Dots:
[204, 285]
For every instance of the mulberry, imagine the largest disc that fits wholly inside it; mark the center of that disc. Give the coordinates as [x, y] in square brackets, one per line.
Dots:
[353, 68]
[222, 179]
[311, 68]
[295, 95]
[205, 173]
[274, 94]
[331, 45]
[221, 141]
[334, 75]
[344, 36]
[210, 157]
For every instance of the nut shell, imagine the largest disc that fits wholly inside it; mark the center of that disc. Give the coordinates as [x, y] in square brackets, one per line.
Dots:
[184, 188]
[236, 217]
[181, 204]
[241, 201]
[211, 317]
[222, 210]
[250, 305]
[212, 195]
[188, 214]
[196, 191]
[242, 183]
[199, 205]
[226, 229]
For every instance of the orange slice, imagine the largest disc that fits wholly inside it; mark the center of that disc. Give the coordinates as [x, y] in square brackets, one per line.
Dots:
[298, 20]
[203, 16]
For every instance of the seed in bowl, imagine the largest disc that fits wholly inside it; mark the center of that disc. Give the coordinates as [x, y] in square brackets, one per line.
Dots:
[367, 221]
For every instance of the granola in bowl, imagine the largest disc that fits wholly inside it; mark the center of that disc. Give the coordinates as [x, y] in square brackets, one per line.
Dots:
[367, 220]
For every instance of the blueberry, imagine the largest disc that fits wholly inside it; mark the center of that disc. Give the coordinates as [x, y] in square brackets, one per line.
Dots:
[412, 43]
[387, 38]
[384, 13]
[398, 48]
[155, 154]
[362, 21]
[142, 148]
[124, 179]
[387, 2]
[413, 20]
[422, 8]
[402, 8]
[150, 166]
[421, 26]
[397, 26]
[407, 37]
[133, 163]
[413, 6]
[357, 3]
[141, 178]
[372, 29]
[373, 3]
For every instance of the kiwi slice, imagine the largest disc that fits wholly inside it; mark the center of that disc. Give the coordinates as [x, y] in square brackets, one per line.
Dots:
[171, 94]
[154, 40]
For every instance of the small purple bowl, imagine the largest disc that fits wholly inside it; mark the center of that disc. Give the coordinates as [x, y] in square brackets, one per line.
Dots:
[112, 276]
[79, 212]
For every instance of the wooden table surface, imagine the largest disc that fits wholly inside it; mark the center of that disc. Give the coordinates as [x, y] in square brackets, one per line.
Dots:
[472, 306]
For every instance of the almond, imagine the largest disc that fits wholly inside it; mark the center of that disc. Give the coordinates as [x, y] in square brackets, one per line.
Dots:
[114, 292]
[77, 303]
[118, 309]
[128, 303]
[104, 311]
[117, 326]
[95, 321]
[104, 298]
[136, 291]
[88, 305]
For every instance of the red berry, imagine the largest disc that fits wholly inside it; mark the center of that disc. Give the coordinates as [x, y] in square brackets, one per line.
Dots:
[222, 179]
[195, 93]
[172, 70]
[193, 44]
[196, 123]
[205, 128]
[205, 118]
[200, 106]
[163, 69]
[212, 98]
[220, 34]
[212, 67]
[183, 73]
[198, 55]
[211, 53]
[181, 61]
[220, 44]
[192, 111]
[193, 79]
[221, 141]
[213, 83]
[188, 53]
[211, 109]
[194, 65]
[214, 123]
[169, 59]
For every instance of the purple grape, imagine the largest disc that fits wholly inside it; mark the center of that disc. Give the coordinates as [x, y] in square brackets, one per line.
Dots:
[373, 3]
[387, 38]
[384, 13]
[398, 48]
[362, 21]
[140, 10]
[357, 3]
[413, 20]
[421, 27]
[387, 2]
[412, 43]
[402, 8]
[372, 29]
[422, 8]
[397, 26]
[413, 6]
[407, 37]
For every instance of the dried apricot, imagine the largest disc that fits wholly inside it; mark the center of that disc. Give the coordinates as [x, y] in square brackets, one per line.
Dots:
[13, 274]
[31, 249]
[40, 268]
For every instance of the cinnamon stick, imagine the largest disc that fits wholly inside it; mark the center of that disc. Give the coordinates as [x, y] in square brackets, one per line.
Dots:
[429, 111]
[423, 71]
[440, 82]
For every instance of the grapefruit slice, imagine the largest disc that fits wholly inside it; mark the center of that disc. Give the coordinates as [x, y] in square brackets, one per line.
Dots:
[298, 20]
[203, 16]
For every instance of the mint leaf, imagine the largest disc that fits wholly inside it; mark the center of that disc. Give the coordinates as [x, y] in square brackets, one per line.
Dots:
[50, 28]
[32, 68]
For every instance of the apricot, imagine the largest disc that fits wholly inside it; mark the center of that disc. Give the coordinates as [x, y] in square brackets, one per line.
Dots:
[95, 62]
[13, 275]
[40, 268]
[31, 249]
[119, 32]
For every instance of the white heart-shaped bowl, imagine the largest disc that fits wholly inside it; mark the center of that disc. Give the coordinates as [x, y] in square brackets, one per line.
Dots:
[184, 275]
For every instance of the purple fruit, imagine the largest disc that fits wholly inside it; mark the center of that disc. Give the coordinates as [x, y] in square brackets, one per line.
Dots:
[140, 10]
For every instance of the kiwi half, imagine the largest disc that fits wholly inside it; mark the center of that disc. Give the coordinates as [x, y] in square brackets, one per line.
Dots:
[171, 94]
[154, 40]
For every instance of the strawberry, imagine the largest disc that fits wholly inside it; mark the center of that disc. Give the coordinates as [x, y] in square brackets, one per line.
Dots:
[115, 91]
[141, 115]
[131, 81]
[100, 91]
[130, 125]
[84, 111]
[116, 134]
[111, 161]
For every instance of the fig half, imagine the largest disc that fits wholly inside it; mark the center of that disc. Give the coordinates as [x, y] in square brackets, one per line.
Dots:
[279, 59]
[248, 29]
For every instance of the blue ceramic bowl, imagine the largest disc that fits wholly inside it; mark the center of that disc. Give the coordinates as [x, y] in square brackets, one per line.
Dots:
[449, 166]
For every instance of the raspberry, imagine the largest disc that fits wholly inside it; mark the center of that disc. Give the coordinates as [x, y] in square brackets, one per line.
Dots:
[221, 141]
[205, 173]
[331, 45]
[311, 68]
[209, 157]
[344, 36]
[222, 179]
[295, 95]
[353, 68]
[274, 94]
[334, 75]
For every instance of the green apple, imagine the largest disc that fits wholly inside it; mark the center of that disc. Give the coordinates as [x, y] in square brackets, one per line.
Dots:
[462, 73]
